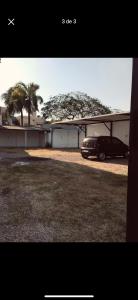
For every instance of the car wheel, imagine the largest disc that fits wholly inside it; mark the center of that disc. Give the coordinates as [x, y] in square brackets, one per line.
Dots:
[101, 156]
[85, 156]
[126, 154]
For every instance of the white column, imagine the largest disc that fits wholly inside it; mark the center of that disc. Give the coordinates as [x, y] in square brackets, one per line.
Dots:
[45, 137]
[25, 138]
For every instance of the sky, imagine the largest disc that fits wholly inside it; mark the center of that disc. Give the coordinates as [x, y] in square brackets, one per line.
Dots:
[108, 79]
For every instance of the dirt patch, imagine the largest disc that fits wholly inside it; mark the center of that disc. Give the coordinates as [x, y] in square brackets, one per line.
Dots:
[116, 165]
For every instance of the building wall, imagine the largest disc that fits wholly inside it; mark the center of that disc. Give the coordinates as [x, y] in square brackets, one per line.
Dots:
[35, 139]
[120, 129]
[9, 138]
[34, 120]
[65, 138]
[2, 111]
[98, 129]
[16, 138]
[0, 118]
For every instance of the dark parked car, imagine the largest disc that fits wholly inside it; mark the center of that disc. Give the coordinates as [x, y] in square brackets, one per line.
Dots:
[103, 146]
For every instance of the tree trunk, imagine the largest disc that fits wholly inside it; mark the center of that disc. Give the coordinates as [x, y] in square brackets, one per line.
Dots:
[21, 118]
[29, 111]
[28, 118]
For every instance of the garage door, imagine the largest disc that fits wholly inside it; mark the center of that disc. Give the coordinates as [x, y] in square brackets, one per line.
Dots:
[9, 138]
[65, 138]
[35, 139]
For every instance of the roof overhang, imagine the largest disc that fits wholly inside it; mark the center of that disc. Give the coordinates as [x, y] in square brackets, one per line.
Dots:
[21, 128]
[97, 119]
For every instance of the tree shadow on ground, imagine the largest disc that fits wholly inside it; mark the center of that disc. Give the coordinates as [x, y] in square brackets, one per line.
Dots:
[19, 154]
[56, 201]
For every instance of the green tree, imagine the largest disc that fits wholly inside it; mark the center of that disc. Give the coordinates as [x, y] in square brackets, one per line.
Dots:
[14, 101]
[73, 105]
[31, 100]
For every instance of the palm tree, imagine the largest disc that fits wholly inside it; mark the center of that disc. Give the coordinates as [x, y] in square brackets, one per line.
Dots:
[31, 99]
[8, 100]
[18, 99]
[14, 100]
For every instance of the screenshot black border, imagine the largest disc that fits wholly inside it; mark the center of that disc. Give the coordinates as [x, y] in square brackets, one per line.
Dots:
[32, 270]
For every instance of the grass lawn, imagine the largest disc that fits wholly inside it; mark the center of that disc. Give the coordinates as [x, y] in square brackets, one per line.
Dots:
[61, 199]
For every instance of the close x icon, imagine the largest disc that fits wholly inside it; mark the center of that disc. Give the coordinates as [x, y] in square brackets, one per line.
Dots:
[11, 21]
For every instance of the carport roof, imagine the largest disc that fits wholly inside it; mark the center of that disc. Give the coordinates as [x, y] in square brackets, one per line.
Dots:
[98, 119]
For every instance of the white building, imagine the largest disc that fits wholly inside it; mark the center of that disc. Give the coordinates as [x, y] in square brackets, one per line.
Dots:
[118, 127]
[3, 116]
[69, 134]
[15, 136]
[34, 120]
[64, 136]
